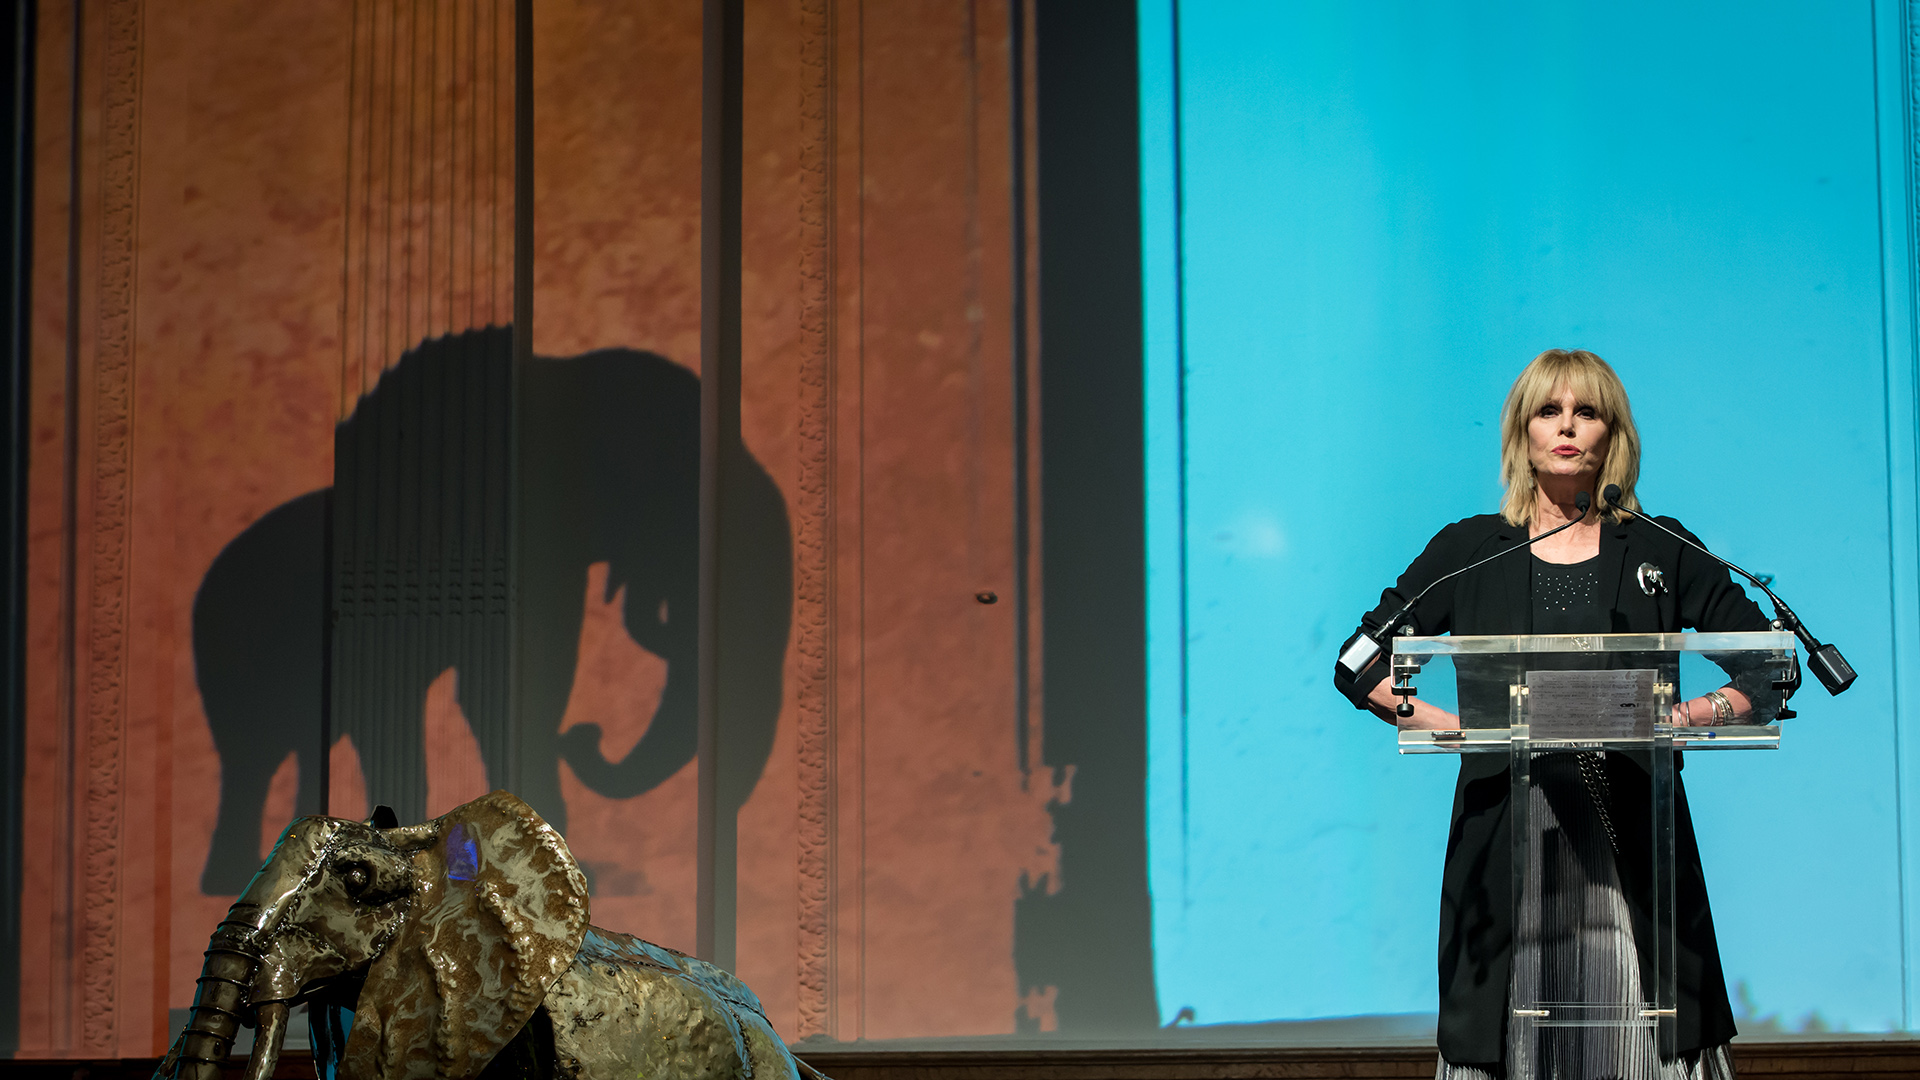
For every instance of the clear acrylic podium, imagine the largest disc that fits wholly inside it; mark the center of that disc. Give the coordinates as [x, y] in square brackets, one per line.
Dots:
[1586, 721]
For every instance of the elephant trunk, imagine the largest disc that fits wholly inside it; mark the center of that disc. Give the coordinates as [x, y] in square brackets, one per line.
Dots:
[218, 1006]
[251, 973]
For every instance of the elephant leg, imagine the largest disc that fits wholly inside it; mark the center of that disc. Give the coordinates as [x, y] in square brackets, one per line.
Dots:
[552, 604]
[388, 716]
[235, 852]
[258, 620]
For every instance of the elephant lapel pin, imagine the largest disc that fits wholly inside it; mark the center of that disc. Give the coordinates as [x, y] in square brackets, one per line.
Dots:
[456, 947]
[1651, 578]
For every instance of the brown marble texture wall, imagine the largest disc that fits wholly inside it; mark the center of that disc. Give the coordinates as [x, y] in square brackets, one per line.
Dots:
[201, 333]
[192, 314]
[934, 822]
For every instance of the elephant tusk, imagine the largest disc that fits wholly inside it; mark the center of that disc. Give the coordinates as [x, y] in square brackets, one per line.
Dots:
[268, 1041]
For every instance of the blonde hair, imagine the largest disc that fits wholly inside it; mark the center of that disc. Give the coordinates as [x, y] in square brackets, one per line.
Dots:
[1593, 383]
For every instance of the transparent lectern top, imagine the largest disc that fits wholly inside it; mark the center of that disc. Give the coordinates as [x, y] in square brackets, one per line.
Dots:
[1589, 689]
[1690, 642]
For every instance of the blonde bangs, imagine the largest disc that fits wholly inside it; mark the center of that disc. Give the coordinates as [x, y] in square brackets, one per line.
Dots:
[1593, 382]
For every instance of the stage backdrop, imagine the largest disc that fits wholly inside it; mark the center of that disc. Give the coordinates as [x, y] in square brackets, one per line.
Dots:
[1360, 224]
[276, 269]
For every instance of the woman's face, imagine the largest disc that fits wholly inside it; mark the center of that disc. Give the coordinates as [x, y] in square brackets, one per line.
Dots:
[1566, 437]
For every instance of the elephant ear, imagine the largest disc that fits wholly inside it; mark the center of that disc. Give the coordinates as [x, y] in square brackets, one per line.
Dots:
[498, 910]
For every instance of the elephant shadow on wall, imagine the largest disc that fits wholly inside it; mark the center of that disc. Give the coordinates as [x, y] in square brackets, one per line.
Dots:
[608, 471]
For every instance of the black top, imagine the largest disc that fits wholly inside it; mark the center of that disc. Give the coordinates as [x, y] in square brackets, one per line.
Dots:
[1566, 597]
[1476, 918]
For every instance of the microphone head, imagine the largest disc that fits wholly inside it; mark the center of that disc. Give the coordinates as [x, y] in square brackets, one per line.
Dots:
[1581, 501]
[1611, 494]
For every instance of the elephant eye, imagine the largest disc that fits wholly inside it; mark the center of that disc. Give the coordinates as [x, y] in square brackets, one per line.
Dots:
[355, 877]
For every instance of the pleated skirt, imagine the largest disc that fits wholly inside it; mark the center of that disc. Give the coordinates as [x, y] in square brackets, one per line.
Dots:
[1576, 927]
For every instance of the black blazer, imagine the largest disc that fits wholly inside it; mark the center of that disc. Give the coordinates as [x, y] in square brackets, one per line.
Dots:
[1476, 916]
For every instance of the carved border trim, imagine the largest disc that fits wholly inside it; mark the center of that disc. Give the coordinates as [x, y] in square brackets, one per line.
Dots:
[813, 531]
[110, 515]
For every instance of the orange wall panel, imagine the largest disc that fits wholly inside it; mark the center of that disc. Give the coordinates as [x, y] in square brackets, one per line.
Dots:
[216, 341]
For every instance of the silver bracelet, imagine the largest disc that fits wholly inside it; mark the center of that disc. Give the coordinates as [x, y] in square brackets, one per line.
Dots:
[1722, 708]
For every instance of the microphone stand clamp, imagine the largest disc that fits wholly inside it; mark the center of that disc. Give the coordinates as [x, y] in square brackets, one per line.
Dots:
[1402, 687]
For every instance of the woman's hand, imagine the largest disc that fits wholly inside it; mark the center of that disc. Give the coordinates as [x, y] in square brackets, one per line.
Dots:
[1425, 717]
[1698, 712]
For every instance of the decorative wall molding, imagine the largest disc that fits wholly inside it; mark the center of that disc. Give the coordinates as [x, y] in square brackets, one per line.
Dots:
[812, 509]
[109, 532]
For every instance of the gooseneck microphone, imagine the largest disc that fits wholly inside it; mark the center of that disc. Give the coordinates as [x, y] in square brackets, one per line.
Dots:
[1828, 665]
[1365, 648]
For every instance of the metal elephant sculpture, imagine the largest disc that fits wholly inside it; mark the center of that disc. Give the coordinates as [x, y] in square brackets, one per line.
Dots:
[457, 947]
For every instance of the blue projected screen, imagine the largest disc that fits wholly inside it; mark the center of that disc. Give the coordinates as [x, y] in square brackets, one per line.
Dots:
[1361, 221]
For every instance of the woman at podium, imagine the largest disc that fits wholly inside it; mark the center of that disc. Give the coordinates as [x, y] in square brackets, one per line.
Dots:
[1566, 434]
